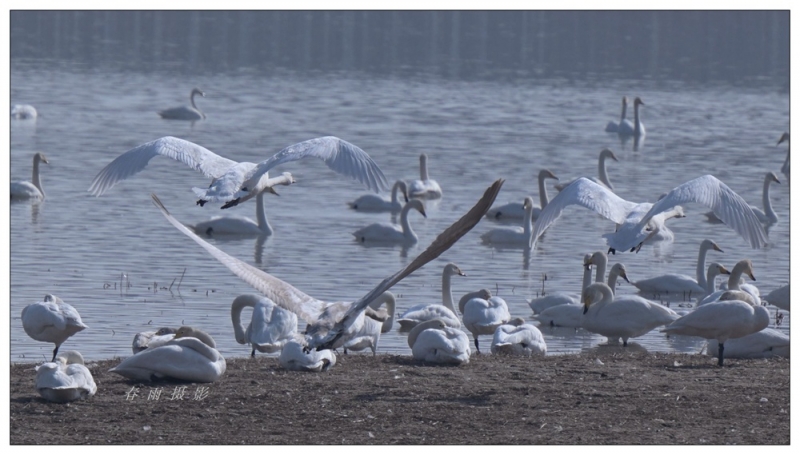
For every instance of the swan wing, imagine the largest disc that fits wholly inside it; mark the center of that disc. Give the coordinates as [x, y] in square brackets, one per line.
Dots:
[279, 291]
[135, 160]
[340, 155]
[587, 194]
[444, 241]
[726, 204]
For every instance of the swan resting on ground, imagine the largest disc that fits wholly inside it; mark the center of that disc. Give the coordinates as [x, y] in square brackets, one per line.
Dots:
[270, 327]
[185, 112]
[51, 321]
[763, 344]
[433, 341]
[387, 232]
[322, 336]
[637, 223]
[428, 311]
[152, 339]
[23, 190]
[721, 320]
[184, 358]
[518, 338]
[65, 379]
[375, 203]
[234, 182]
[425, 187]
[294, 357]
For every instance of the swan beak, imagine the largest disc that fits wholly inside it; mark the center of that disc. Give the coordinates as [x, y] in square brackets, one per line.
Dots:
[750, 274]
[717, 248]
[724, 270]
[774, 179]
[423, 213]
[625, 276]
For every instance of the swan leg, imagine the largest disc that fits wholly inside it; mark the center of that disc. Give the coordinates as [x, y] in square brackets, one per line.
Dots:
[55, 351]
[201, 202]
[253, 353]
[232, 203]
[612, 251]
[624, 342]
[476, 345]
[721, 348]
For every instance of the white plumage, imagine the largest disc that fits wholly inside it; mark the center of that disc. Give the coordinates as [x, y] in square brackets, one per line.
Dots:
[444, 311]
[65, 379]
[23, 191]
[185, 358]
[519, 339]
[375, 203]
[52, 321]
[392, 233]
[425, 187]
[516, 210]
[270, 327]
[185, 112]
[678, 283]
[602, 173]
[433, 341]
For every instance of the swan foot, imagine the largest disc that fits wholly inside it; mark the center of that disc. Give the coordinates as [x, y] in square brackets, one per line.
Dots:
[253, 353]
[612, 251]
[476, 346]
[721, 348]
[232, 203]
[55, 351]
[201, 202]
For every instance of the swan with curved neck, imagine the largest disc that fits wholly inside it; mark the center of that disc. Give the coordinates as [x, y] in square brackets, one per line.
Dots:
[387, 232]
[242, 225]
[185, 112]
[484, 316]
[187, 331]
[624, 124]
[433, 341]
[425, 187]
[23, 190]
[516, 210]
[375, 203]
[721, 320]
[51, 320]
[324, 336]
[444, 311]
[294, 357]
[518, 338]
[785, 166]
[513, 235]
[152, 339]
[186, 358]
[270, 327]
[743, 267]
[600, 260]
[638, 222]
[679, 283]
[375, 322]
[236, 182]
[766, 216]
[625, 317]
[65, 379]
[715, 269]
[602, 173]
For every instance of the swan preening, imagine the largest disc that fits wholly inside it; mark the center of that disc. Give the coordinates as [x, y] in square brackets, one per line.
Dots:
[294, 357]
[375, 323]
[65, 379]
[513, 235]
[637, 223]
[516, 210]
[518, 338]
[636, 128]
[721, 320]
[766, 216]
[425, 187]
[375, 203]
[387, 232]
[23, 112]
[483, 316]
[185, 358]
[234, 182]
[785, 166]
[30, 190]
[152, 339]
[602, 174]
[242, 225]
[185, 112]
[433, 341]
[624, 124]
[444, 311]
[679, 283]
[52, 321]
[270, 327]
[325, 336]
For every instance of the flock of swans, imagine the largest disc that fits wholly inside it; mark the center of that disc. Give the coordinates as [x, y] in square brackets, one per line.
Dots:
[437, 332]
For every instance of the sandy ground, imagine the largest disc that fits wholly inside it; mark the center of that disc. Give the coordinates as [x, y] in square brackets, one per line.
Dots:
[607, 396]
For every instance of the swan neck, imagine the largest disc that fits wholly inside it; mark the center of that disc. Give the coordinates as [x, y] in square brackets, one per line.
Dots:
[543, 199]
[395, 190]
[191, 100]
[527, 224]
[736, 275]
[35, 177]
[237, 306]
[637, 126]
[587, 281]
[710, 285]
[765, 199]
[624, 111]
[423, 167]
[701, 264]
[601, 171]
[601, 269]
[612, 280]
[261, 215]
[404, 224]
[447, 292]
[419, 328]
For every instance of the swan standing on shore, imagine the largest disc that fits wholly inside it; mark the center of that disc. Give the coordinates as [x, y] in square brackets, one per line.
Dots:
[637, 128]
[234, 182]
[624, 124]
[185, 112]
[183, 358]
[602, 174]
[375, 323]
[785, 166]
[484, 316]
[387, 232]
[23, 190]
[444, 311]
[425, 187]
[679, 283]
[435, 342]
[375, 203]
[51, 321]
[766, 216]
[513, 235]
[242, 225]
[518, 338]
[515, 210]
[324, 336]
[270, 327]
[152, 339]
[65, 379]
[637, 223]
[721, 320]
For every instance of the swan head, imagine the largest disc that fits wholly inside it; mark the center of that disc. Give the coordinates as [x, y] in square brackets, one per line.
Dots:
[784, 138]
[40, 157]
[624, 100]
[771, 177]
[452, 269]
[746, 267]
[197, 91]
[403, 187]
[596, 258]
[165, 331]
[188, 331]
[638, 101]
[527, 204]
[619, 269]
[70, 357]
[547, 174]
[52, 299]
[418, 205]
[710, 244]
[719, 268]
[607, 153]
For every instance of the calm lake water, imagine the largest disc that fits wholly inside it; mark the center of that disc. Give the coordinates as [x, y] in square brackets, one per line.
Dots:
[111, 257]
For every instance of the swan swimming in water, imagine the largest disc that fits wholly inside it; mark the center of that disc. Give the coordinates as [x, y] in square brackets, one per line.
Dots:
[383, 232]
[30, 190]
[234, 182]
[515, 210]
[52, 321]
[65, 379]
[270, 327]
[635, 129]
[185, 112]
[766, 216]
[602, 174]
[678, 283]
[425, 187]
[640, 222]
[183, 358]
[614, 127]
[540, 304]
[785, 166]
[435, 342]
[519, 339]
[375, 203]
[152, 339]
[323, 336]
[242, 225]
[721, 320]
[23, 112]
[513, 235]
[444, 311]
